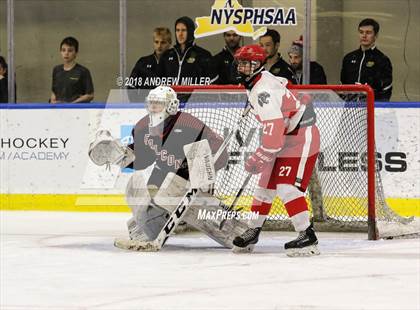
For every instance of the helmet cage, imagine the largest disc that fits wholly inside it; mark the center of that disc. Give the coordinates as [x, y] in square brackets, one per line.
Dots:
[151, 105]
[165, 97]
[160, 102]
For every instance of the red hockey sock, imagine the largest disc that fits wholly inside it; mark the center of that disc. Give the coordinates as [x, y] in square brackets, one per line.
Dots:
[263, 208]
[296, 206]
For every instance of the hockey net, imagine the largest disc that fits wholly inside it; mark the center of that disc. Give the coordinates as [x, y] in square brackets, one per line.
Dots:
[345, 193]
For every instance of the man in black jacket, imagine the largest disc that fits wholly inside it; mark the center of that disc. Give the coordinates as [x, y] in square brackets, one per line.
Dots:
[186, 63]
[316, 71]
[223, 61]
[275, 63]
[146, 67]
[367, 64]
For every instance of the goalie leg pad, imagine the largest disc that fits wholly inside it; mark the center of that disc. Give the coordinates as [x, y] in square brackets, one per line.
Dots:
[206, 203]
[148, 219]
[136, 192]
[170, 194]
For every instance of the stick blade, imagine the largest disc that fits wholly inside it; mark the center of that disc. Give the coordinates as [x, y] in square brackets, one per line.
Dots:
[136, 245]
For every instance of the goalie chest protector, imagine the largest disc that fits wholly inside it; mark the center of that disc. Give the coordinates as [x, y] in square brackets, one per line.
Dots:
[167, 149]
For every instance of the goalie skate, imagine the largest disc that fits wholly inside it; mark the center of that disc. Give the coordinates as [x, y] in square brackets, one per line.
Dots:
[136, 245]
[304, 245]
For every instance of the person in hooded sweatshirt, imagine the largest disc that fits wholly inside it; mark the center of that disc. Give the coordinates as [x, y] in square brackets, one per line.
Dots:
[186, 63]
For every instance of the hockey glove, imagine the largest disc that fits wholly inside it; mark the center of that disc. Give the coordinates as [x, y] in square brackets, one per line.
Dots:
[106, 150]
[259, 161]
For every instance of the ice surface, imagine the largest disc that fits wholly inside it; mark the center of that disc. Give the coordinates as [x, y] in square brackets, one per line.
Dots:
[60, 260]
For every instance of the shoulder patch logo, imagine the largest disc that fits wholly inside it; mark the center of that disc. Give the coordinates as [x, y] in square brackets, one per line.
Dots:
[263, 98]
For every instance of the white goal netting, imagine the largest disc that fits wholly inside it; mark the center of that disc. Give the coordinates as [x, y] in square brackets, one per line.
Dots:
[339, 194]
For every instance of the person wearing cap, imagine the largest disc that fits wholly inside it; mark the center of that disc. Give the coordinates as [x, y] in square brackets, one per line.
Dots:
[275, 63]
[367, 64]
[316, 71]
[186, 63]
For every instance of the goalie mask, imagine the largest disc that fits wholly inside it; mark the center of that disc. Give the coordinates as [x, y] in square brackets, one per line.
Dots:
[161, 102]
[249, 60]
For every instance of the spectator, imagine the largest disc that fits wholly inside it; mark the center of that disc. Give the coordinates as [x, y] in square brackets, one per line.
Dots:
[186, 63]
[316, 71]
[223, 61]
[4, 92]
[270, 42]
[71, 82]
[146, 67]
[368, 64]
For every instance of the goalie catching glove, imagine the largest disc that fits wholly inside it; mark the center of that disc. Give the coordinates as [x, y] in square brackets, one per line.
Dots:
[106, 150]
[259, 161]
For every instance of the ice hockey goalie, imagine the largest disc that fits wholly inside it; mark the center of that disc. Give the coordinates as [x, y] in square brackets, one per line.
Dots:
[160, 139]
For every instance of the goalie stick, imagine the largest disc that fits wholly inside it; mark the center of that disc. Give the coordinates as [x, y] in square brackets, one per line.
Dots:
[177, 215]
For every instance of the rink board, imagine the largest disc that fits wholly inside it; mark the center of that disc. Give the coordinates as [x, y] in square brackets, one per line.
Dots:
[116, 203]
[44, 164]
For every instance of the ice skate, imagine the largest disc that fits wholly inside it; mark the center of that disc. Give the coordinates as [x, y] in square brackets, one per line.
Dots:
[304, 245]
[246, 242]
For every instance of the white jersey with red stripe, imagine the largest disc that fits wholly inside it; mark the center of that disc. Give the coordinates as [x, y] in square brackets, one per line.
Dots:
[276, 108]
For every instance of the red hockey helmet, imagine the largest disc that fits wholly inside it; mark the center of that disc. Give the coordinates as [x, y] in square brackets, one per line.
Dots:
[251, 52]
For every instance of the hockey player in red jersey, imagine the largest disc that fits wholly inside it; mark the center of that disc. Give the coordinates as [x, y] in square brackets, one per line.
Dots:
[287, 154]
